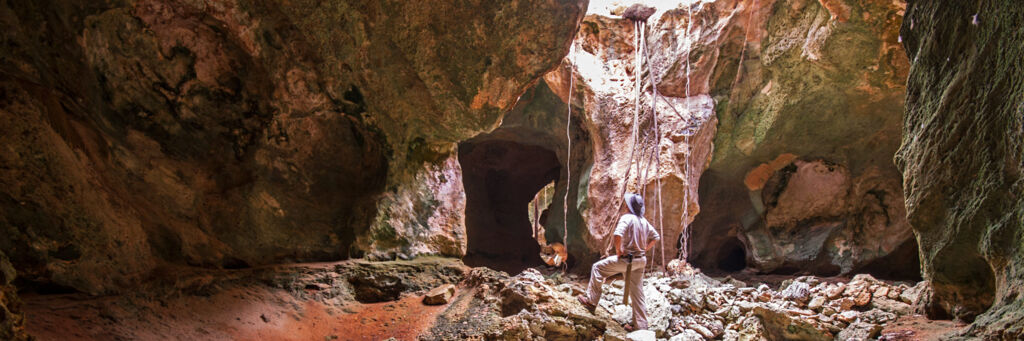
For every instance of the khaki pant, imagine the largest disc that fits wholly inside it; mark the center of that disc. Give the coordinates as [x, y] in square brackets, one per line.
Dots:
[611, 266]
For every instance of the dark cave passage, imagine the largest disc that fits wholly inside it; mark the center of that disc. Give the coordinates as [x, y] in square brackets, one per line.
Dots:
[501, 178]
[902, 264]
[732, 256]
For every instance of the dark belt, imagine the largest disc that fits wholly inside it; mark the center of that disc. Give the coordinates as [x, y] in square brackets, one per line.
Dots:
[632, 256]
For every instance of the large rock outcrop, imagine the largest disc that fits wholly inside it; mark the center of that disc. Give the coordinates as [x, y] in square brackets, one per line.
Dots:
[504, 169]
[962, 158]
[236, 133]
[670, 158]
[809, 100]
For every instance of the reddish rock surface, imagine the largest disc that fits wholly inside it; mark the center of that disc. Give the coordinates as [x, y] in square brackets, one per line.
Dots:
[232, 134]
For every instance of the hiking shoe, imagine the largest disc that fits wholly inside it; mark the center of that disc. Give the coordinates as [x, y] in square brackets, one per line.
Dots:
[586, 303]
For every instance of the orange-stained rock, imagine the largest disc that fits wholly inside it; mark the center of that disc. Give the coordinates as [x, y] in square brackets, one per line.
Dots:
[756, 178]
[822, 81]
[234, 133]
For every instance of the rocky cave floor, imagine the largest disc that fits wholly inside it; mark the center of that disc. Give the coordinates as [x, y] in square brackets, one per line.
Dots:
[361, 300]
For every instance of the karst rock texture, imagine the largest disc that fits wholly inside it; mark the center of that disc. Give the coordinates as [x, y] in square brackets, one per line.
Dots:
[238, 133]
[809, 100]
[962, 158]
[12, 320]
[671, 158]
[786, 113]
[504, 169]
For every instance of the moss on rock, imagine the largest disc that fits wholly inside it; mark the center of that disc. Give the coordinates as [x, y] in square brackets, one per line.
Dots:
[961, 158]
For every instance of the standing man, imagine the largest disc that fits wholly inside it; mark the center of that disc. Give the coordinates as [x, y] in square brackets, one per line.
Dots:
[633, 237]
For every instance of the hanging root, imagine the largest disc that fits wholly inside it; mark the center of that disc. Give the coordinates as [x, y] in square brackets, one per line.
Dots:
[568, 152]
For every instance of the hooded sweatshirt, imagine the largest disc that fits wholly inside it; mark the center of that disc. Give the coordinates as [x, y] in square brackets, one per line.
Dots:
[635, 231]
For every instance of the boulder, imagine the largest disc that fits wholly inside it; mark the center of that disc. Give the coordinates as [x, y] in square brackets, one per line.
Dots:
[638, 12]
[782, 326]
[847, 316]
[439, 295]
[859, 331]
[816, 303]
[798, 292]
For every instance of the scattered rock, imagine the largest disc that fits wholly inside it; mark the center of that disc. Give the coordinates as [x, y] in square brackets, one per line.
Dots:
[439, 295]
[703, 331]
[859, 331]
[834, 292]
[912, 295]
[798, 292]
[687, 335]
[847, 316]
[816, 303]
[680, 283]
[862, 298]
[641, 335]
[782, 326]
[530, 306]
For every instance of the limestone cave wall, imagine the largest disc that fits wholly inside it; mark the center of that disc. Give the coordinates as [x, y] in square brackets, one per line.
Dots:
[778, 122]
[809, 100]
[239, 133]
[962, 158]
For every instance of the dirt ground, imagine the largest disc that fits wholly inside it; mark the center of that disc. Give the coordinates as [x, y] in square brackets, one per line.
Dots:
[920, 328]
[243, 314]
[296, 302]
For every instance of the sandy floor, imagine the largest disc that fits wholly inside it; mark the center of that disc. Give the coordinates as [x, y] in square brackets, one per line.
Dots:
[249, 314]
[917, 327]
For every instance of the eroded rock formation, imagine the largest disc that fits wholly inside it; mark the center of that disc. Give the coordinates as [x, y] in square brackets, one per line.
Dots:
[809, 99]
[962, 158]
[793, 108]
[239, 133]
[505, 168]
[602, 78]
[12, 320]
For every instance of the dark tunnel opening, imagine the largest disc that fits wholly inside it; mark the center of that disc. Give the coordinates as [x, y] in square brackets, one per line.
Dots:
[501, 178]
[902, 264]
[732, 256]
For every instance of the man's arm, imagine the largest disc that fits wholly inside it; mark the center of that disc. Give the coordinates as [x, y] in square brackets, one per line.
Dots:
[653, 236]
[650, 245]
[620, 230]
